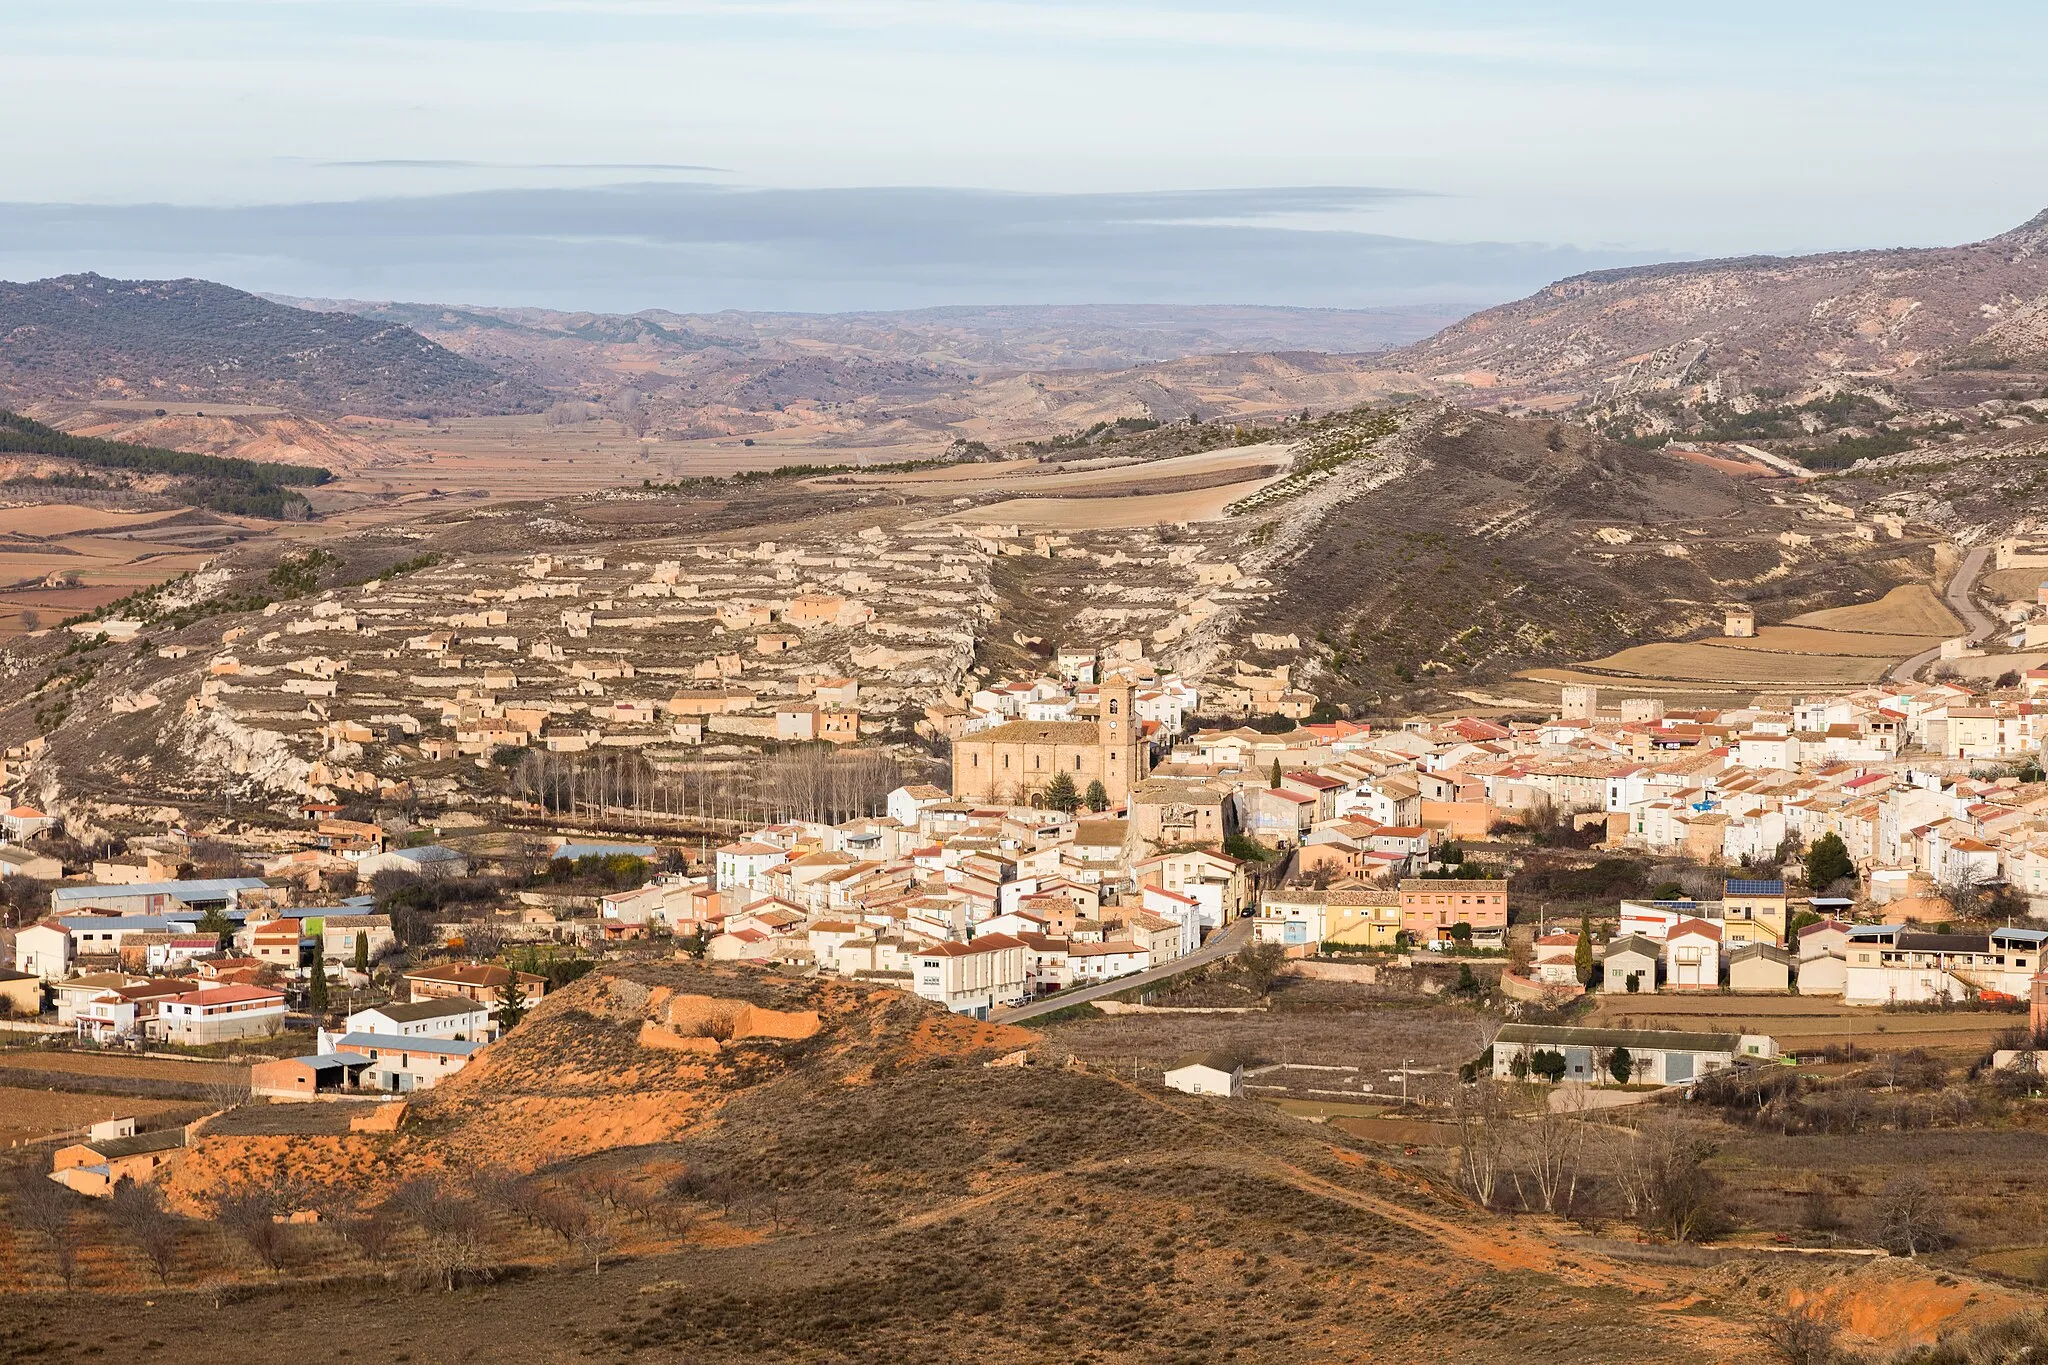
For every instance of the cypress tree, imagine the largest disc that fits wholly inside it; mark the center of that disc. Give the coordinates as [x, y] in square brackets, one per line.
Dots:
[511, 1004]
[316, 993]
[1582, 955]
[362, 950]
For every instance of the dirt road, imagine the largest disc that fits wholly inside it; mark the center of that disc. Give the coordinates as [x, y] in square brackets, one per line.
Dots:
[1976, 621]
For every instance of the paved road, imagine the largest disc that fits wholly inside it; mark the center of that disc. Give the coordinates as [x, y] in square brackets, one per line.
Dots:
[1219, 945]
[1975, 620]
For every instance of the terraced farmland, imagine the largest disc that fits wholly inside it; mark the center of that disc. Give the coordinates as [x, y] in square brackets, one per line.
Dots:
[1836, 647]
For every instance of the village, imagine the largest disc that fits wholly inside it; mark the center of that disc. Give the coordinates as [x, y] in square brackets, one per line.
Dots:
[1625, 898]
[1092, 833]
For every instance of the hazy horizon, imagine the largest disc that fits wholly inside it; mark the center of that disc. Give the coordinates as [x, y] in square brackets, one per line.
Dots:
[799, 155]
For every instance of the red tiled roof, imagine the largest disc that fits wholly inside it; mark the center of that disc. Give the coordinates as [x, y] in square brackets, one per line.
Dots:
[228, 995]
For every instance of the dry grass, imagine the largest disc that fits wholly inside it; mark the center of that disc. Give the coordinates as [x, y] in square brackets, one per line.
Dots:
[29, 1114]
[1106, 513]
[1703, 662]
[1846, 643]
[2012, 585]
[64, 519]
[1911, 610]
[1806, 1023]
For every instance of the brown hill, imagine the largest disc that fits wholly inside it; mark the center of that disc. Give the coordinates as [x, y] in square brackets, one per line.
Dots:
[85, 336]
[1730, 327]
[824, 1171]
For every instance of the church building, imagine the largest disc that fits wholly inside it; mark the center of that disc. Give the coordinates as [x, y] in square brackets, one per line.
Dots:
[1008, 763]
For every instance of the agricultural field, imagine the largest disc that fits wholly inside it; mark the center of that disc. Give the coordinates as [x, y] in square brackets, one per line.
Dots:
[1809, 1023]
[1835, 647]
[1840, 643]
[2011, 585]
[1703, 661]
[27, 1115]
[1911, 609]
[1105, 512]
[67, 1063]
[58, 560]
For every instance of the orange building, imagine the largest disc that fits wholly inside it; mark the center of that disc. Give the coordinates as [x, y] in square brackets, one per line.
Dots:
[1430, 906]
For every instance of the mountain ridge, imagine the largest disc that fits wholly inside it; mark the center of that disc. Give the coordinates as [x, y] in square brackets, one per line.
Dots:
[87, 336]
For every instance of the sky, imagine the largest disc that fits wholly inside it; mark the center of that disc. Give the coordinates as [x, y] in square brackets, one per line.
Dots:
[836, 154]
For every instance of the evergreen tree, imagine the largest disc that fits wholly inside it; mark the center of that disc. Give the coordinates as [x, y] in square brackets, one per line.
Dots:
[362, 950]
[1827, 862]
[1098, 797]
[1275, 783]
[1582, 955]
[316, 993]
[215, 922]
[511, 1004]
[1620, 1065]
[1060, 794]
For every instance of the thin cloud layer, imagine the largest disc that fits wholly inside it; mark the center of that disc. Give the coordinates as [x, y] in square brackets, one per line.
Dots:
[698, 246]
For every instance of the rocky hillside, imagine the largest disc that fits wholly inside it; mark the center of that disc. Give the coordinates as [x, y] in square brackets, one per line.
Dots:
[765, 1168]
[931, 375]
[84, 336]
[1468, 545]
[1753, 331]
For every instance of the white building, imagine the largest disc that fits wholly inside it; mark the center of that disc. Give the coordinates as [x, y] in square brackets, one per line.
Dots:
[973, 977]
[43, 949]
[747, 864]
[1890, 964]
[221, 1014]
[1208, 1075]
[1692, 956]
[1092, 962]
[402, 1065]
[452, 1017]
[1656, 1056]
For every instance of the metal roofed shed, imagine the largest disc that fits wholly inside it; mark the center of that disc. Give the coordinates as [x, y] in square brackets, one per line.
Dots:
[1658, 1056]
[571, 852]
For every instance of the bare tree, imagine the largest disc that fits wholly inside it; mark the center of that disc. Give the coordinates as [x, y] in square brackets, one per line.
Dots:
[49, 1210]
[1680, 1196]
[1629, 1159]
[1552, 1151]
[454, 1245]
[1801, 1336]
[1483, 1122]
[139, 1211]
[255, 1215]
[369, 1231]
[564, 1216]
[1912, 1217]
[225, 1092]
[507, 1191]
[482, 940]
[599, 1237]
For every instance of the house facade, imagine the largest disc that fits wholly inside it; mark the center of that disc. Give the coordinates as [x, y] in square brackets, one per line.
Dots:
[973, 977]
